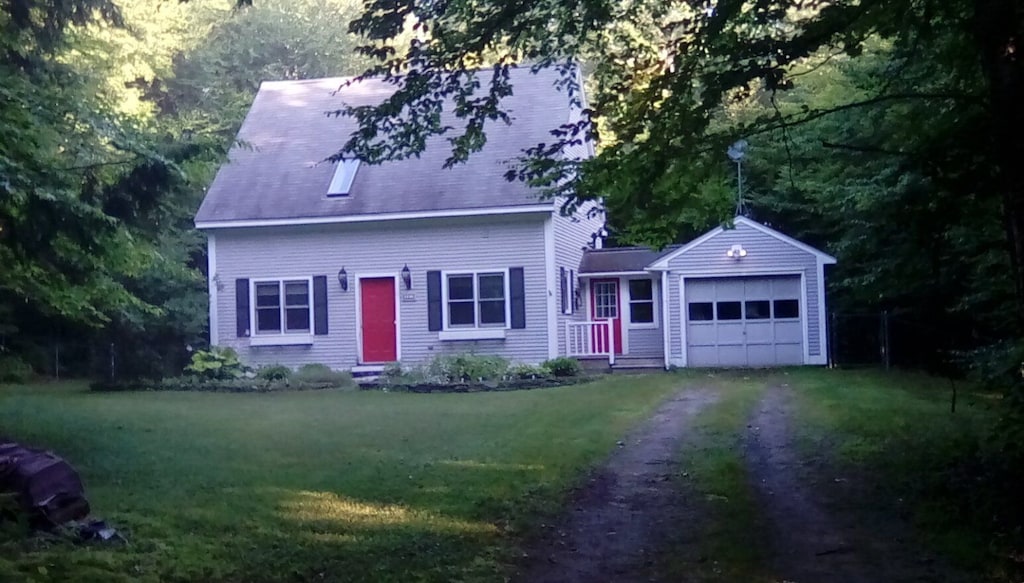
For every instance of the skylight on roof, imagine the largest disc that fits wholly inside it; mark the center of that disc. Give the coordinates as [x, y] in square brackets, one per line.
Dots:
[344, 174]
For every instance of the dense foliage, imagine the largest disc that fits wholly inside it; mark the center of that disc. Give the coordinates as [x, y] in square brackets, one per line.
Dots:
[115, 117]
[884, 131]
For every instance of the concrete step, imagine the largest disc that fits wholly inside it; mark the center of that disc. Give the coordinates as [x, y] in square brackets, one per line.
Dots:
[623, 364]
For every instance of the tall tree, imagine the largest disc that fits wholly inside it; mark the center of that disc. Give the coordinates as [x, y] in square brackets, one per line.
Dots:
[665, 73]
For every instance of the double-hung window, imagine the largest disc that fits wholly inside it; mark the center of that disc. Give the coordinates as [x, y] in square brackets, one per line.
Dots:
[641, 302]
[283, 306]
[476, 300]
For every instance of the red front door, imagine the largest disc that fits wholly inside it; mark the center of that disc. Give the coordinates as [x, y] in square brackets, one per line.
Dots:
[377, 309]
[604, 305]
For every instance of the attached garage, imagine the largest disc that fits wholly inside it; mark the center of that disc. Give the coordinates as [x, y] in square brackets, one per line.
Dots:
[744, 296]
[744, 321]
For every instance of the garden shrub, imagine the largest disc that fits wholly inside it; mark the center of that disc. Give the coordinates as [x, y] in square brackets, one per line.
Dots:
[216, 363]
[392, 371]
[321, 373]
[460, 368]
[277, 372]
[14, 370]
[563, 367]
[527, 371]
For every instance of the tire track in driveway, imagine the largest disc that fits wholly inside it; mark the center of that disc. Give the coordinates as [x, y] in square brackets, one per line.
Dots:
[628, 507]
[821, 530]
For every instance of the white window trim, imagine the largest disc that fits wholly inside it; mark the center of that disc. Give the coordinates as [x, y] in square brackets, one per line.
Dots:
[478, 332]
[281, 338]
[653, 325]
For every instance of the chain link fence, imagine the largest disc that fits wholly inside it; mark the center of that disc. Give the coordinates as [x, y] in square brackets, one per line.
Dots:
[64, 357]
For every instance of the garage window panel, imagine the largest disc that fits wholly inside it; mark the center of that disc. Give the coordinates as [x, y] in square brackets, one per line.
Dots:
[786, 309]
[729, 310]
[758, 309]
[701, 311]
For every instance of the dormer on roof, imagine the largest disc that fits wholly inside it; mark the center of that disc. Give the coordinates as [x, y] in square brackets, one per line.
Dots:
[344, 175]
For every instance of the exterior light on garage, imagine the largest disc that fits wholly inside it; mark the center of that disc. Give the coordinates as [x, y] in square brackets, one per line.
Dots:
[736, 252]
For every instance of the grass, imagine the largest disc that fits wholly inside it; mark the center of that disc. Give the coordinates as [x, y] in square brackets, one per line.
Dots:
[370, 486]
[896, 433]
[324, 485]
[893, 432]
[729, 534]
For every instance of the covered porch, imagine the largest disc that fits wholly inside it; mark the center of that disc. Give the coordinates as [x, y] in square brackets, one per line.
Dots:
[621, 308]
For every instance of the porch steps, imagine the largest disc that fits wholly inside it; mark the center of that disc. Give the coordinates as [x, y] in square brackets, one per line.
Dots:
[366, 374]
[623, 364]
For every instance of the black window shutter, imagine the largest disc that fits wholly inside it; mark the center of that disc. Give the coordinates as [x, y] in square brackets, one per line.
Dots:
[242, 307]
[518, 290]
[434, 307]
[320, 305]
[563, 288]
[572, 292]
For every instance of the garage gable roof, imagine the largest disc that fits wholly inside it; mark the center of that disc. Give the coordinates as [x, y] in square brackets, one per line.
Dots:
[662, 263]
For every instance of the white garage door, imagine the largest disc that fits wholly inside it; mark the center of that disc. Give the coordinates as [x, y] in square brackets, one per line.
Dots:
[744, 321]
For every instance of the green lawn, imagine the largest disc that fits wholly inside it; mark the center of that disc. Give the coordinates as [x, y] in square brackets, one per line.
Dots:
[372, 486]
[323, 485]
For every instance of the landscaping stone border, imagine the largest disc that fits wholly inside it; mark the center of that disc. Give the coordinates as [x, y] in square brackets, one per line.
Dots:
[480, 387]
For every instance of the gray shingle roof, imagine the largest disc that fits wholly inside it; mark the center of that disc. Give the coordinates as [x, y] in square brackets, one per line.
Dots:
[620, 259]
[276, 173]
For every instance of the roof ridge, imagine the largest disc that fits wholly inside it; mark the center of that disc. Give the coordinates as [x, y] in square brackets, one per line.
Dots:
[636, 248]
[518, 66]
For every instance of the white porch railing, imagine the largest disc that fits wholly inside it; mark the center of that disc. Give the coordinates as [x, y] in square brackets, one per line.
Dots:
[584, 339]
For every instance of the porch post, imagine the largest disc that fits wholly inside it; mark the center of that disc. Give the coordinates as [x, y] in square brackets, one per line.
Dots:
[611, 342]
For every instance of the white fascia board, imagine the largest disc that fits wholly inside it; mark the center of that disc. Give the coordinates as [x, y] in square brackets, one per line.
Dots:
[211, 282]
[613, 274]
[550, 286]
[666, 320]
[478, 212]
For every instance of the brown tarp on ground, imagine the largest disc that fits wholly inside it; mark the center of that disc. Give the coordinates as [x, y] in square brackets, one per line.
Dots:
[47, 488]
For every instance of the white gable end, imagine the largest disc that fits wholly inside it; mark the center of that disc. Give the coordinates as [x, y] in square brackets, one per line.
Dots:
[746, 247]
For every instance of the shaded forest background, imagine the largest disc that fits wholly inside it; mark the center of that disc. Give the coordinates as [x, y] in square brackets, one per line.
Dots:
[116, 115]
[115, 119]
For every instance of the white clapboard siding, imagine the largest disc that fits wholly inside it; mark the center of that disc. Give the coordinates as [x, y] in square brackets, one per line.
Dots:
[467, 243]
[572, 234]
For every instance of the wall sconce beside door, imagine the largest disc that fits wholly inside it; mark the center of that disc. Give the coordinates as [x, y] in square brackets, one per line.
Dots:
[343, 279]
[407, 277]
